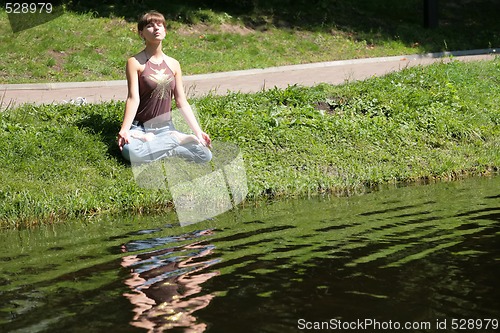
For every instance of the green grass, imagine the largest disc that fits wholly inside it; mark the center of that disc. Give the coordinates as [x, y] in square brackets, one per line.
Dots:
[92, 40]
[423, 123]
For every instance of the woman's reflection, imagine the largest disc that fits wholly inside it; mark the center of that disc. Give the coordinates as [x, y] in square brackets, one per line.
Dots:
[166, 286]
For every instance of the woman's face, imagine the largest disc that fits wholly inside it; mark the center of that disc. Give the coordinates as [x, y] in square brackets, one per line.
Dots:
[154, 31]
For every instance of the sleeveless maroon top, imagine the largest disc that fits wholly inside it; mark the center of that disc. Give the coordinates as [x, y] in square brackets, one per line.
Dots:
[156, 90]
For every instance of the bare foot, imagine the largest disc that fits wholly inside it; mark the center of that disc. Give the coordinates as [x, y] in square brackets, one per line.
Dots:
[185, 138]
[144, 137]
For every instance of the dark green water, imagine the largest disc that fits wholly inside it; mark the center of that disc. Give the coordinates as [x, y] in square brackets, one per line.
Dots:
[426, 255]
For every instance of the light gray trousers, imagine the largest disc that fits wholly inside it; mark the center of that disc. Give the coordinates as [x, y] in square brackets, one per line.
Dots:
[163, 144]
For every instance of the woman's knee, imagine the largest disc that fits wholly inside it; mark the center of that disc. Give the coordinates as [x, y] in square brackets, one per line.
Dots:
[194, 152]
[131, 154]
[126, 152]
[206, 155]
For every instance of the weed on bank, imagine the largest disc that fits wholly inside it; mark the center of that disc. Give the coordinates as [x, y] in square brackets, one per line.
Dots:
[438, 122]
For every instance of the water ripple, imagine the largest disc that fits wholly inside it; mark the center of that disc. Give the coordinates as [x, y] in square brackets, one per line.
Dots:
[421, 253]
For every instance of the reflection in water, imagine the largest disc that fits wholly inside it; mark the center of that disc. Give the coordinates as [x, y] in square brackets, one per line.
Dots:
[418, 253]
[166, 285]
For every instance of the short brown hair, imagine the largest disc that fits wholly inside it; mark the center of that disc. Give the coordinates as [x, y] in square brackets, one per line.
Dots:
[148, 17]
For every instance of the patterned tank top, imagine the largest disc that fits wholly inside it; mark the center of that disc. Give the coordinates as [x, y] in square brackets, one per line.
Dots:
[156, 90]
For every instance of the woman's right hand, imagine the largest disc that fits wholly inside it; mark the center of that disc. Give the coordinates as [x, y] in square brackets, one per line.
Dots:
[122, 139]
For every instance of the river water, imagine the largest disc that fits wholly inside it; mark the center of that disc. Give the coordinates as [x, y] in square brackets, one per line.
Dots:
[425, 258]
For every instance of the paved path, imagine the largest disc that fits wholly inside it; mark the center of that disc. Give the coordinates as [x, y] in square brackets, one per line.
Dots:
[335, 72]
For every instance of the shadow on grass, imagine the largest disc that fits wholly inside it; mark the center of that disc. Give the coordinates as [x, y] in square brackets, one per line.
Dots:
[463, 24]
[106, 129]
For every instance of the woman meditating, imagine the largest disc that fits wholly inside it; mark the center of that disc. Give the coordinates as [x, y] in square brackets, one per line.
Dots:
[147, 133]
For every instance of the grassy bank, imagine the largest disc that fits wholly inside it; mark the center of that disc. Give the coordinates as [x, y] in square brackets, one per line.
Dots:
[436, 122]
[93, 39]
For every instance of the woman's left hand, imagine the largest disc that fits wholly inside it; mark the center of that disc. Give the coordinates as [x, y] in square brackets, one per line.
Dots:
[205, 140]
